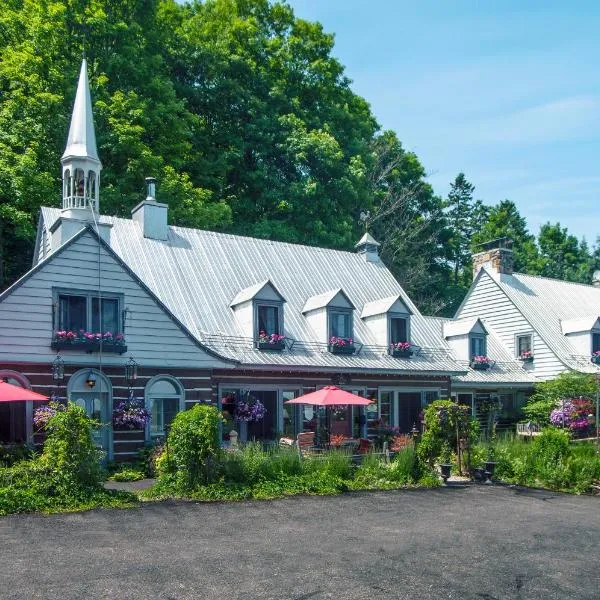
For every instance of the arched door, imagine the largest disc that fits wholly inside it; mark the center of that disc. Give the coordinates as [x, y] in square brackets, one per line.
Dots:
[97, 403]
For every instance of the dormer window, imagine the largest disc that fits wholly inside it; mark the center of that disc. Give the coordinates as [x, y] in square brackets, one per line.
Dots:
[340, 323]
[259, 312]
[595, 342]
[478, 345]
[398, 330]
[388, 319]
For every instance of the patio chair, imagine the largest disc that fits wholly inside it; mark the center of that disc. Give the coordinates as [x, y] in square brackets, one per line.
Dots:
[305, 443]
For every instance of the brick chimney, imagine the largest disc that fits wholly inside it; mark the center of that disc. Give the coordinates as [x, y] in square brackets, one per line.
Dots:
[496, 255]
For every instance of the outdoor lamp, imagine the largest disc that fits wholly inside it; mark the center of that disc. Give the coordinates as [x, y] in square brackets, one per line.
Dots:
[90, 380]
[131, 369]
[58, 368]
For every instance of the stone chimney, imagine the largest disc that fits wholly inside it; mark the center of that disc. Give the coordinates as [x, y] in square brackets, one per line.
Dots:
[596, 279]
[496, 255]
[151, 215]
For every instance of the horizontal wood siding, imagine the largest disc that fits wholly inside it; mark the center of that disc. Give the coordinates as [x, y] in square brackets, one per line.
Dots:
[151, 335]
[490, 303]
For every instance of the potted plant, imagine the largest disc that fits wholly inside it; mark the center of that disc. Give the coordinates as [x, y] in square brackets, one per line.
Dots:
[340, 345]
[445, 461]
[526, 356]
[490, 464]
[130, 414]
[481, 363]
[272, 341]
[401, 349]
[596, 357]
[88, 341]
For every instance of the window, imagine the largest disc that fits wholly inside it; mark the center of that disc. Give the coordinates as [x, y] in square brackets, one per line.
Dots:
[595, 342]
[524, 344]
[398, 330]
[268, 319]
[340, 324]
[478, 346]
[164, 399]
[85, 311]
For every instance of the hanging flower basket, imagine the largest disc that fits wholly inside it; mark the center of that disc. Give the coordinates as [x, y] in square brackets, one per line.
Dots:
[130, 414]
[249, 410]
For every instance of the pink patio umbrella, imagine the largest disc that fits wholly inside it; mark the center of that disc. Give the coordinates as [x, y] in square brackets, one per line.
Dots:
[329, 396]
[14, 393]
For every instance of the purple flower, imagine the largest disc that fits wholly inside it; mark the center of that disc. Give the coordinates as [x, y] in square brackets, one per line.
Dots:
[130, 414]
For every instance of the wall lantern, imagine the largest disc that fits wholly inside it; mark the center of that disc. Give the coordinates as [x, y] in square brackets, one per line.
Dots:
[131, 371]
[90, 380]
[58, 368]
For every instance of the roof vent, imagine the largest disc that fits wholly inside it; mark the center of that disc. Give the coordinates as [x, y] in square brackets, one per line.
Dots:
[368, 246]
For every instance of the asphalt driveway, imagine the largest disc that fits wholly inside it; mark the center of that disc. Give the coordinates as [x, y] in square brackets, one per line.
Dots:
[475, 542]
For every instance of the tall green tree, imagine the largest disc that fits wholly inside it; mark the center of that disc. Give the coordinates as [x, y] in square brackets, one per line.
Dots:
[504, 220]
[465, 216]
[562, 255]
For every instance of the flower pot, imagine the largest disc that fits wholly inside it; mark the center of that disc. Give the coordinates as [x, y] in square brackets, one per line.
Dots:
[274, 346]
[480, 366]
[490, 467]
[347, 349]
[399, 353]
[445, 471]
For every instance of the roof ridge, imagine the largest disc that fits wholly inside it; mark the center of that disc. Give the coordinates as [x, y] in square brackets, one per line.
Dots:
[555, 280]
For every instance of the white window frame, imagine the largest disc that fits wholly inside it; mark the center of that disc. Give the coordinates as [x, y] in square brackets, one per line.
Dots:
[149, 397]
[331, 310]
[274, 303]
[528, 334]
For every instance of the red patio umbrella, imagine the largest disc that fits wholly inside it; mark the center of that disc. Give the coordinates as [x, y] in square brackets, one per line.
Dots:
[14, 393]
[330, 395]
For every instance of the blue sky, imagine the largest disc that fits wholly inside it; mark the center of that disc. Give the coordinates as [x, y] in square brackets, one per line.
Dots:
[507, 92]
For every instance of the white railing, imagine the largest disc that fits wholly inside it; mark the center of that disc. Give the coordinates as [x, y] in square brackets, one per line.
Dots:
[80, 202]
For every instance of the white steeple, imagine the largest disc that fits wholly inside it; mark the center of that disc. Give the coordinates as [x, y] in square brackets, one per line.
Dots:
[80, 163]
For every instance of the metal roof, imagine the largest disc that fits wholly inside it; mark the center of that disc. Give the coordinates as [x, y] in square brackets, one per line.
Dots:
[586, 323]
[506, 369]
[251, 292]
[197, 273]
[546, 304]
[462, 326]
[380, 307]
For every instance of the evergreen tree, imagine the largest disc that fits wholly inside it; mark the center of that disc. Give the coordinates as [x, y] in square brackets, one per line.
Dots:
[562, 256]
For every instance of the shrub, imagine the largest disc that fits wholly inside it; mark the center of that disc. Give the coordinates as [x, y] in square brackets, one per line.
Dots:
[128, 475]
[335, 463]
[194, 447]
[70, 456]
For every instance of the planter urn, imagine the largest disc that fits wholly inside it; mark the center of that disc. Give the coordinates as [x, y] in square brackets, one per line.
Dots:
[445, 470]
[490, 467]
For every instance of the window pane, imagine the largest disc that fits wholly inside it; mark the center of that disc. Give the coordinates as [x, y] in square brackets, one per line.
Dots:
[268, 319]
[398, 331]
[595, 342]
[110, 315]
[524, 343]
[163, 412]
[72, 313]
[340, 324]
[478, 346]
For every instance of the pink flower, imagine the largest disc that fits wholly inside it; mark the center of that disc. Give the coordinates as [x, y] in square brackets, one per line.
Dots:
[71, 335]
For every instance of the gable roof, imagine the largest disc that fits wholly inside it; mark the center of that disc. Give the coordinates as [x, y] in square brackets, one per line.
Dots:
[88, 229]
[252, 292]
[586, 323]
[462, 326]
[380, 307]
[196, 273]
[546, 303]
[324, 300]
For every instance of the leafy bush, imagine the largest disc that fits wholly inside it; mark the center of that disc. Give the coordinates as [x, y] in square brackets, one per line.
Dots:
[128, 474]
[443, 419]
[70, 456]
[9, 455]
[548, 394]
[194, 447]
[335, 463]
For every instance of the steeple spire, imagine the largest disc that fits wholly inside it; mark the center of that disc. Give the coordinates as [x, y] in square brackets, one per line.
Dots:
[81, 165]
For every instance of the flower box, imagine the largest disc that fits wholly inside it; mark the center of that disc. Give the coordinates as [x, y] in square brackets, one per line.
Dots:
[401, 352]
[339, 349]
[273, 346]
[526, 359]
[596, 359]
[112, 346]
[480, 366]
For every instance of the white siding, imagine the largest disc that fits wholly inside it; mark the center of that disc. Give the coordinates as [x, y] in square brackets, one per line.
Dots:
[460, 346]
[489, 302]
[244, 315]
[151, 335]
[378, 326]
[317, 321]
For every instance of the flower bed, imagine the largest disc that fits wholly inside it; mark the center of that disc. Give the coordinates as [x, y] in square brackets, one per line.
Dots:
[89, 342]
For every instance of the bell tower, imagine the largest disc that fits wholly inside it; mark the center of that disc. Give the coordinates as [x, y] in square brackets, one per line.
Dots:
[80, 163]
